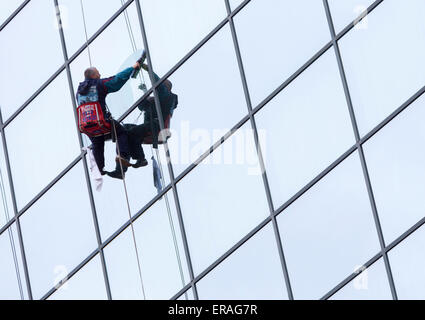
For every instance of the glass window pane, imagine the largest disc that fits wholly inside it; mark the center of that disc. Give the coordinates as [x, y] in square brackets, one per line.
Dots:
[210, 103]
[307, 127]
[384, 63]
[396, 162]
[174, 27]
[346, 11]
[73, 21]
[163, 267]
[7, 8]
[87, 284]
[407, 264]
[329, 232]
[371, 284]
[58, 231]
[36, 23]
[253, 272]
[12, 278]
[223, 200]
[302, 30]
[42, 141]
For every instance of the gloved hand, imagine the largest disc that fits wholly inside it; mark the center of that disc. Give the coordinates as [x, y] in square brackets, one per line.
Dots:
[136, 66]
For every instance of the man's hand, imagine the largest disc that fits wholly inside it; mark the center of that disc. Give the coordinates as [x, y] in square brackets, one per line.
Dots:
[136, 66]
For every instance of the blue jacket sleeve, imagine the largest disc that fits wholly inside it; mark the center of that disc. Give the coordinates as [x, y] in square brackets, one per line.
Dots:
[115, 83]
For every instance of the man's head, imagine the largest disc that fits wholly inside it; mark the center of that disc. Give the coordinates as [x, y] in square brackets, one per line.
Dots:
[168, 84]
[91, 73]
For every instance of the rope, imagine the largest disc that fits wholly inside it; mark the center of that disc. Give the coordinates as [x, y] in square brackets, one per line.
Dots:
[129, 213]
[85, 31]
[132, 40]
[11, 239]
[170, 217]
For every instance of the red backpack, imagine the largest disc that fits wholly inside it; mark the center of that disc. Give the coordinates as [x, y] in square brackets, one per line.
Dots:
[91, 120]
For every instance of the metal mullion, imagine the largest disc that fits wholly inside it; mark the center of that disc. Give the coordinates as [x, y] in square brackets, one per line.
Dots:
[15, 209]
[70, 275]
[227, 254]
[201, 43]
[14, 14]
[352, 276]
[45, 190]
[388, 248]
[86, 171]
[34, 96]
[259, 153]
[392, 116]
[170, 167]
[360, 149]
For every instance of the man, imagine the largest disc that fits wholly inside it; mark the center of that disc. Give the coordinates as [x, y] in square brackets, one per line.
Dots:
[93, 88]
[150, 126]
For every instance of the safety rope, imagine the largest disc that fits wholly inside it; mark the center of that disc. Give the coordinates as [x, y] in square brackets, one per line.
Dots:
[129, 211]
[170, 217]
[11, 239]
[122, 172]
[85, 31]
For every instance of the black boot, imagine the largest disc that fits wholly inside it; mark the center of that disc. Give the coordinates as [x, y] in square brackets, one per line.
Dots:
[117, 173]
[140, 163]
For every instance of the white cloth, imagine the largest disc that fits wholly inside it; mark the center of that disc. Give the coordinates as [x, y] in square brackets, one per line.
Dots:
[95, 173]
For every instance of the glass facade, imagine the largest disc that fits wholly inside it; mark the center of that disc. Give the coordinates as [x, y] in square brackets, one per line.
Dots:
[295, 168]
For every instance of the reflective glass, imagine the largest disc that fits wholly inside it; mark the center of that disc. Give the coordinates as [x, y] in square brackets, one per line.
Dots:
[73, 19]
[384, 62]
[347, 11]
[371, 284]
[87, 284]
[40, 149]
[174, 27]
[211, 100]
[396, 161]
[7, 8]
[163, 266]
[329, 232]
[58, 231]
[222, 199]
[307, 127]
[33, 54]
[407, 264]
[253, 272]
[276, 38]
[12, 279]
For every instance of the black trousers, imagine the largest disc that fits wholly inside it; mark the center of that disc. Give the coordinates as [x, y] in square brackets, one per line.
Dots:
[99, 145]
[136, 135]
